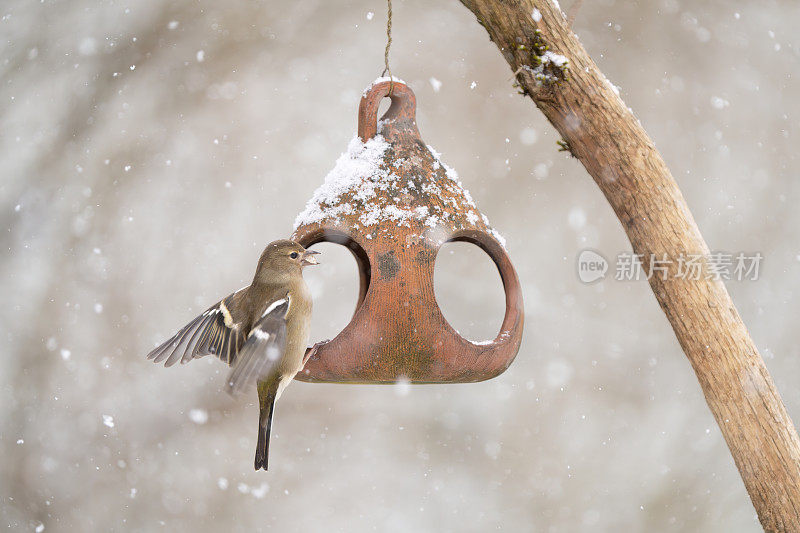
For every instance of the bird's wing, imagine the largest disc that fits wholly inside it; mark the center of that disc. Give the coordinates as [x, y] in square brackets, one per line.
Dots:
[263, 350]
[213, 332]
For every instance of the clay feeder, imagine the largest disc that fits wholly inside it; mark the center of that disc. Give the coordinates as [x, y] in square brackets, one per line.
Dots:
[393, 203]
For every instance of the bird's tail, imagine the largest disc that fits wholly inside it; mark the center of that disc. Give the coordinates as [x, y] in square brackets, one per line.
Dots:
[264, 428]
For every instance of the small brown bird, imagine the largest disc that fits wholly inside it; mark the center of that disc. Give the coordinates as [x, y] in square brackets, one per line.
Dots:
[261, 331]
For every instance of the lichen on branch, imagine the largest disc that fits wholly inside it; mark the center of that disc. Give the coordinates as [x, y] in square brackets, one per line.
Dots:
[543, 65]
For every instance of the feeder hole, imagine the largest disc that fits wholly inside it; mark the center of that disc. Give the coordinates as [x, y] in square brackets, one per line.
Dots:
[334, 286]
[469, 291]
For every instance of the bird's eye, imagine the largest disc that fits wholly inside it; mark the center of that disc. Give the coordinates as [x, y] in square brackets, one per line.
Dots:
[293, 255]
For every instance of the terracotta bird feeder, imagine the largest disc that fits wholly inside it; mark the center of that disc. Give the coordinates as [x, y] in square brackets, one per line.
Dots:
[393, 203]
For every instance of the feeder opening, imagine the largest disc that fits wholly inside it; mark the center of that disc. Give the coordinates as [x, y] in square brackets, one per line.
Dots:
[469, 290]
[508, 275]
[334, 286]
[358, 253]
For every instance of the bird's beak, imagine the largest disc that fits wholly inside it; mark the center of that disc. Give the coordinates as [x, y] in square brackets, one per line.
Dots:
[309, 259]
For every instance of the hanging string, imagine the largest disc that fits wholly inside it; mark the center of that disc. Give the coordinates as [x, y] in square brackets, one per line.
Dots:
[386, 68]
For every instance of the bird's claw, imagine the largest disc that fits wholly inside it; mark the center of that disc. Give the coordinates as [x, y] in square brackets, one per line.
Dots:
[313, 350]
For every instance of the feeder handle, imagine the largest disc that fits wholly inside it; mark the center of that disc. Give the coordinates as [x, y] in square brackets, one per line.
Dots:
[401, 115]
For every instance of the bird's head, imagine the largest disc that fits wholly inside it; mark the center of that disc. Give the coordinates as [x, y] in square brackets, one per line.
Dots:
[283, 258]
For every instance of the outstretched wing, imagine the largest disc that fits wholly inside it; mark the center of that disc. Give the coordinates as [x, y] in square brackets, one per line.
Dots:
[263, 350]
[213, 332]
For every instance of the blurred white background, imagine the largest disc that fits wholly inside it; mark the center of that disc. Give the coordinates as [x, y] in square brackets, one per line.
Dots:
[151, 149]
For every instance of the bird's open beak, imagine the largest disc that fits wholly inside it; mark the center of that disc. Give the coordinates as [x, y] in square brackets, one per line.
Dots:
[309, 259]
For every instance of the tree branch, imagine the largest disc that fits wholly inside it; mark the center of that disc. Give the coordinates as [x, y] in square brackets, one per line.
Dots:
[552, 67]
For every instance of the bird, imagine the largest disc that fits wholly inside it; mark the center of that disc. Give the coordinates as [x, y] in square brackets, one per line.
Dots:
[261, 331]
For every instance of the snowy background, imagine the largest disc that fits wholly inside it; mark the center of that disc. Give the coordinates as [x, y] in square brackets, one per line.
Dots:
[150, 149]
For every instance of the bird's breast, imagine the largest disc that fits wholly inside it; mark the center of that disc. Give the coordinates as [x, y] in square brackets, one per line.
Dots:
[298, 329]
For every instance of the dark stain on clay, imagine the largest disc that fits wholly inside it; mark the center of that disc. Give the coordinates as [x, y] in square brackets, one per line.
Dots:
[388, 265]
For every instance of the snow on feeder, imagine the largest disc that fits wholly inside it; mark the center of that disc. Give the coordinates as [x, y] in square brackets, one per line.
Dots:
[393, 203]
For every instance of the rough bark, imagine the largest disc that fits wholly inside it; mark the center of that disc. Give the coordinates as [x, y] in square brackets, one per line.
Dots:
[603, 134]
